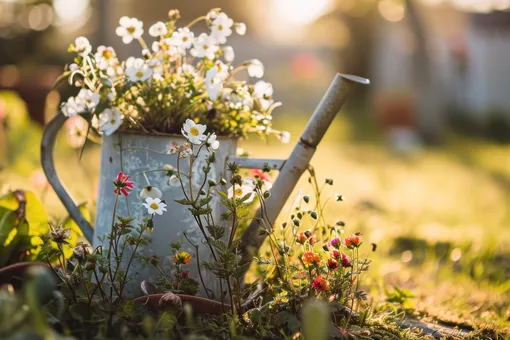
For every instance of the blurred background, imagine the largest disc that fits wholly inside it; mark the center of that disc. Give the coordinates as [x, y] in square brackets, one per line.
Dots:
[422, 155]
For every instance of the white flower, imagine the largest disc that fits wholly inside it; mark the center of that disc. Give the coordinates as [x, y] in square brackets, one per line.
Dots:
[129, 29]
[212, 143]
[174, 148]
[137, 70]
[255, 68]
[182, 38]
[246, 188]
[193, 132]
[262, 90]
[154, 206]
[168, 167]
[72, 107]
[174, 181]
[150, 191]
[204, 47]
[285, 137]
[228, 54]
[238, 99]
[158, 29]
[105, 57]
[213, 14]
[240, 28]
[221, 28]
[88, 98]
[74, 67]
[214, 79]
[185, 150]
[110, 120]
[82, 46]
[77, 128]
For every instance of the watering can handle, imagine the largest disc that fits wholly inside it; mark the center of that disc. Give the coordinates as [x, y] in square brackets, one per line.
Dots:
[48, 165]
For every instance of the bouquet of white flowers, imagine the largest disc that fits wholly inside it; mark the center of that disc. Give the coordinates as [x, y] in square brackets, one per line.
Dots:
[180, 75]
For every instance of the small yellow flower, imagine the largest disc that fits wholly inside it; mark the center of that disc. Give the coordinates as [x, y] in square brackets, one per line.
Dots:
[181, 258]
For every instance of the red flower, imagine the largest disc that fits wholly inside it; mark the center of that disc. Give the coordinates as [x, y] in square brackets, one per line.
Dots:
[335, 254]
[122, 184]
[332, 264]
[312, 239]
[301, 238]
[353, 241]
[346, 260]
[309, 257]
[320, 284]
[263, 176]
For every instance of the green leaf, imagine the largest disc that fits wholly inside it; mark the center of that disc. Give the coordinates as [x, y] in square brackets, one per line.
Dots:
[288, 320]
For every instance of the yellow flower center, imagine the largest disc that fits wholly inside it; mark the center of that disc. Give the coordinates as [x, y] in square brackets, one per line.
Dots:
[220, 27]
[239, 192]
[107, 54]
[184, 38]
[139, 74]
[112, 121]
[165, 47]
[154, 206]
[194, 131]
[131, 29]
[205, 47]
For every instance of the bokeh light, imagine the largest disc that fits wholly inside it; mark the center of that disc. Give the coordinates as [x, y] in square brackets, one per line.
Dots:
[391, 10]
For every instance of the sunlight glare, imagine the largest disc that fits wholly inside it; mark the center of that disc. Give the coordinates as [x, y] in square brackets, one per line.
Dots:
[301, 12]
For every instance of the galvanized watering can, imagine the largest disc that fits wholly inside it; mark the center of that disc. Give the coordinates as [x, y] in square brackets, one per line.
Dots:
[135, 154]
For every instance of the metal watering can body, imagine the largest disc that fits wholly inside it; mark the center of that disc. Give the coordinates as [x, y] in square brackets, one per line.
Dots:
[135, 153]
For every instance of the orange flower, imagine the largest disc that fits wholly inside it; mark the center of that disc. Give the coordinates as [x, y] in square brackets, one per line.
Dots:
[181, 258]
[353, 241]
[301, 238]
[320, 284]
[312, 239]
[309, 257]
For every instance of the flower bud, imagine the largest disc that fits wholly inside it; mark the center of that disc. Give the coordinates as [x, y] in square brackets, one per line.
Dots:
[296, 222]
[154, 260]
[306, 198]
[266, 195]
[313, 214]
[223, 181]
[174, 14]
[212, 183]
[329, 181]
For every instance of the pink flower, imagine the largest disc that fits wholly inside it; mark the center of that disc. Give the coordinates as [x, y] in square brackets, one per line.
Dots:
[122, 184]
[346, 260]
[263, 176]
[336, 242]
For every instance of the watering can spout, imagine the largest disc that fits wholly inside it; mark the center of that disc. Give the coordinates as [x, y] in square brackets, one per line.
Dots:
[298, 161]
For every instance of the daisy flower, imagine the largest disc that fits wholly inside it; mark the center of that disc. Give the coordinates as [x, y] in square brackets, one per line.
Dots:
[193, 132]
[158, 29]
[110, 120]
[82, 46]
[154, 206]
[105, 57]
[182, 38]
[204, 46]
[248, 187]
[221, 28]
[214, 79]
[129, 29]
[137, 70]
